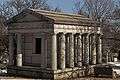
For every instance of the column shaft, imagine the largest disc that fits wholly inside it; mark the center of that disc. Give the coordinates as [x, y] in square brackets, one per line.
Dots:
[75, 50]
[45, 54]
[93, 49]
[79, 51]
[107, 57]
[71, 51]
[67, 50]
[62, 51]
[86, 49]
[99, 50]
[19, 50]
[54, 53]
[11, 49]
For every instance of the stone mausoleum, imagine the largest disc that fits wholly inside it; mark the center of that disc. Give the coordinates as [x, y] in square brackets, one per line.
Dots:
[48, 44]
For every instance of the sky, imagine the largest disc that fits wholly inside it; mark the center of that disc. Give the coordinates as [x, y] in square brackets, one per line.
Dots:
[65, 5]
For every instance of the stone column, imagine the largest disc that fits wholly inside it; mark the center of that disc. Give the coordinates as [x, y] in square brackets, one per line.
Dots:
[75, 50]
[62, 51]
[99, 49]
[93, 49]
[19, 50]
[45, 52]
[90, 47]
[79, 51]
[11, 49]
[107, 57]
[54, 52]
[67, 50]
[86, 48]
[71, 52]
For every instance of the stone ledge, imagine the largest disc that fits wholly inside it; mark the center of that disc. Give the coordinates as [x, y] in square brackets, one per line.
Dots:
[31, 72]
[41, 73]
[69, 73]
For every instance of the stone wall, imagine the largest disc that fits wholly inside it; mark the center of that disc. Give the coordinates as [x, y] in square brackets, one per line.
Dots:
[29, 56]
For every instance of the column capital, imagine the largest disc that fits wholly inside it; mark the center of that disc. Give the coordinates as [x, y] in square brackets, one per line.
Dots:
[100, 35]
[68, 34]
[85, 34]
[77, 35]
[61, 33]
[53, 33]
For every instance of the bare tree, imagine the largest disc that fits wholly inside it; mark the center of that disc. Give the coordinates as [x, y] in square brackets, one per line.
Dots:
[101, 11]
[98, 10]
[10, 8]
[3, 43]
[57, 9]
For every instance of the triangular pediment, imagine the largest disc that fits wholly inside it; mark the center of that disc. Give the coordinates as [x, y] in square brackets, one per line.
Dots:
[28, 17]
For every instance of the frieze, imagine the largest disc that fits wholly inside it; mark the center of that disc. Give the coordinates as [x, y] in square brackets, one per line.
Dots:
[35, 25]
[74, 29]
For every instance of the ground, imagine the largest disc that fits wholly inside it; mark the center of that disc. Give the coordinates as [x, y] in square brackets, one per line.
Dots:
[97, 79]
[89, 78]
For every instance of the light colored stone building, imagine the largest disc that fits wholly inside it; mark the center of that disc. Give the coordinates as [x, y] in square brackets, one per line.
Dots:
[55, 41]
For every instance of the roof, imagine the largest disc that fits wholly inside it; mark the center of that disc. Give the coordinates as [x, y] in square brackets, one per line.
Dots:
[60, 18]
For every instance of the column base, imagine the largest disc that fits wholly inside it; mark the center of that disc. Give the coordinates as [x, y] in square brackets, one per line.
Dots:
[19, 59]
